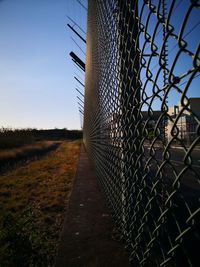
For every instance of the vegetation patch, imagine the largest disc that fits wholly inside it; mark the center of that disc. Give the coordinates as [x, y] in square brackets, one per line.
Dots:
[14, 138]
[9, 158]
[33, 201]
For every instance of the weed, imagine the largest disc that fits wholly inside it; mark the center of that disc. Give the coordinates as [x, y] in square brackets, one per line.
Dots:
[22, 243]
[29, 236]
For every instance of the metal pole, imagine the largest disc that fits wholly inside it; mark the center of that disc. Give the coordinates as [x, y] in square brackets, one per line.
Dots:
[130, 100]
[76, 33]
[79, 81]
[77, 60]
[80, 92]
[76, 24]
[80, 99]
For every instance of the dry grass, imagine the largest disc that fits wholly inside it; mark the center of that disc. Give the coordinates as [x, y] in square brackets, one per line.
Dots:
[7, 154]
[44, 185]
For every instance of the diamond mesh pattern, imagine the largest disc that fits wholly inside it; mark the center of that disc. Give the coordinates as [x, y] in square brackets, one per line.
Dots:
[141, 125]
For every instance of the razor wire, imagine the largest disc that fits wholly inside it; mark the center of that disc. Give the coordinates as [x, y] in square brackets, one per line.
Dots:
[142, 124]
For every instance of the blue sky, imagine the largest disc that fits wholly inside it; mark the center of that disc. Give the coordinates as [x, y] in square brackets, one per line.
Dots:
[37, 88]
[184, 62]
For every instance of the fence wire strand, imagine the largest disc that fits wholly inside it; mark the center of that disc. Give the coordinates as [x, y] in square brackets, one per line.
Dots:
[142, 124]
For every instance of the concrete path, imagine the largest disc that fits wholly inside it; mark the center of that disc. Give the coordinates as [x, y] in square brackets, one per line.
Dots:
[87, 238]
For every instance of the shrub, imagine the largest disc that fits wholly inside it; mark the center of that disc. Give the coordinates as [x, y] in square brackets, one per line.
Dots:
[22, 243]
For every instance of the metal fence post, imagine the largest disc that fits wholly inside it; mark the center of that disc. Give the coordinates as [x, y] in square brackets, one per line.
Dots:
[130, 103]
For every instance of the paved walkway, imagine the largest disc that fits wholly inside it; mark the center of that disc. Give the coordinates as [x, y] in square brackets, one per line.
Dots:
[87, 240]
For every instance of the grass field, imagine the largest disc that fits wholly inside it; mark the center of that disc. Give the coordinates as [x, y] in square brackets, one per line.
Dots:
[9, 158]
[15, 138]
[33, 201]
[26, 149]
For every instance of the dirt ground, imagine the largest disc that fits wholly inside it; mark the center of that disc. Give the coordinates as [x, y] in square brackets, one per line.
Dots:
[87, 239]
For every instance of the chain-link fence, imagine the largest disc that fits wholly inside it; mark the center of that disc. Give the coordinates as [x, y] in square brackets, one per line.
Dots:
[142, 123]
